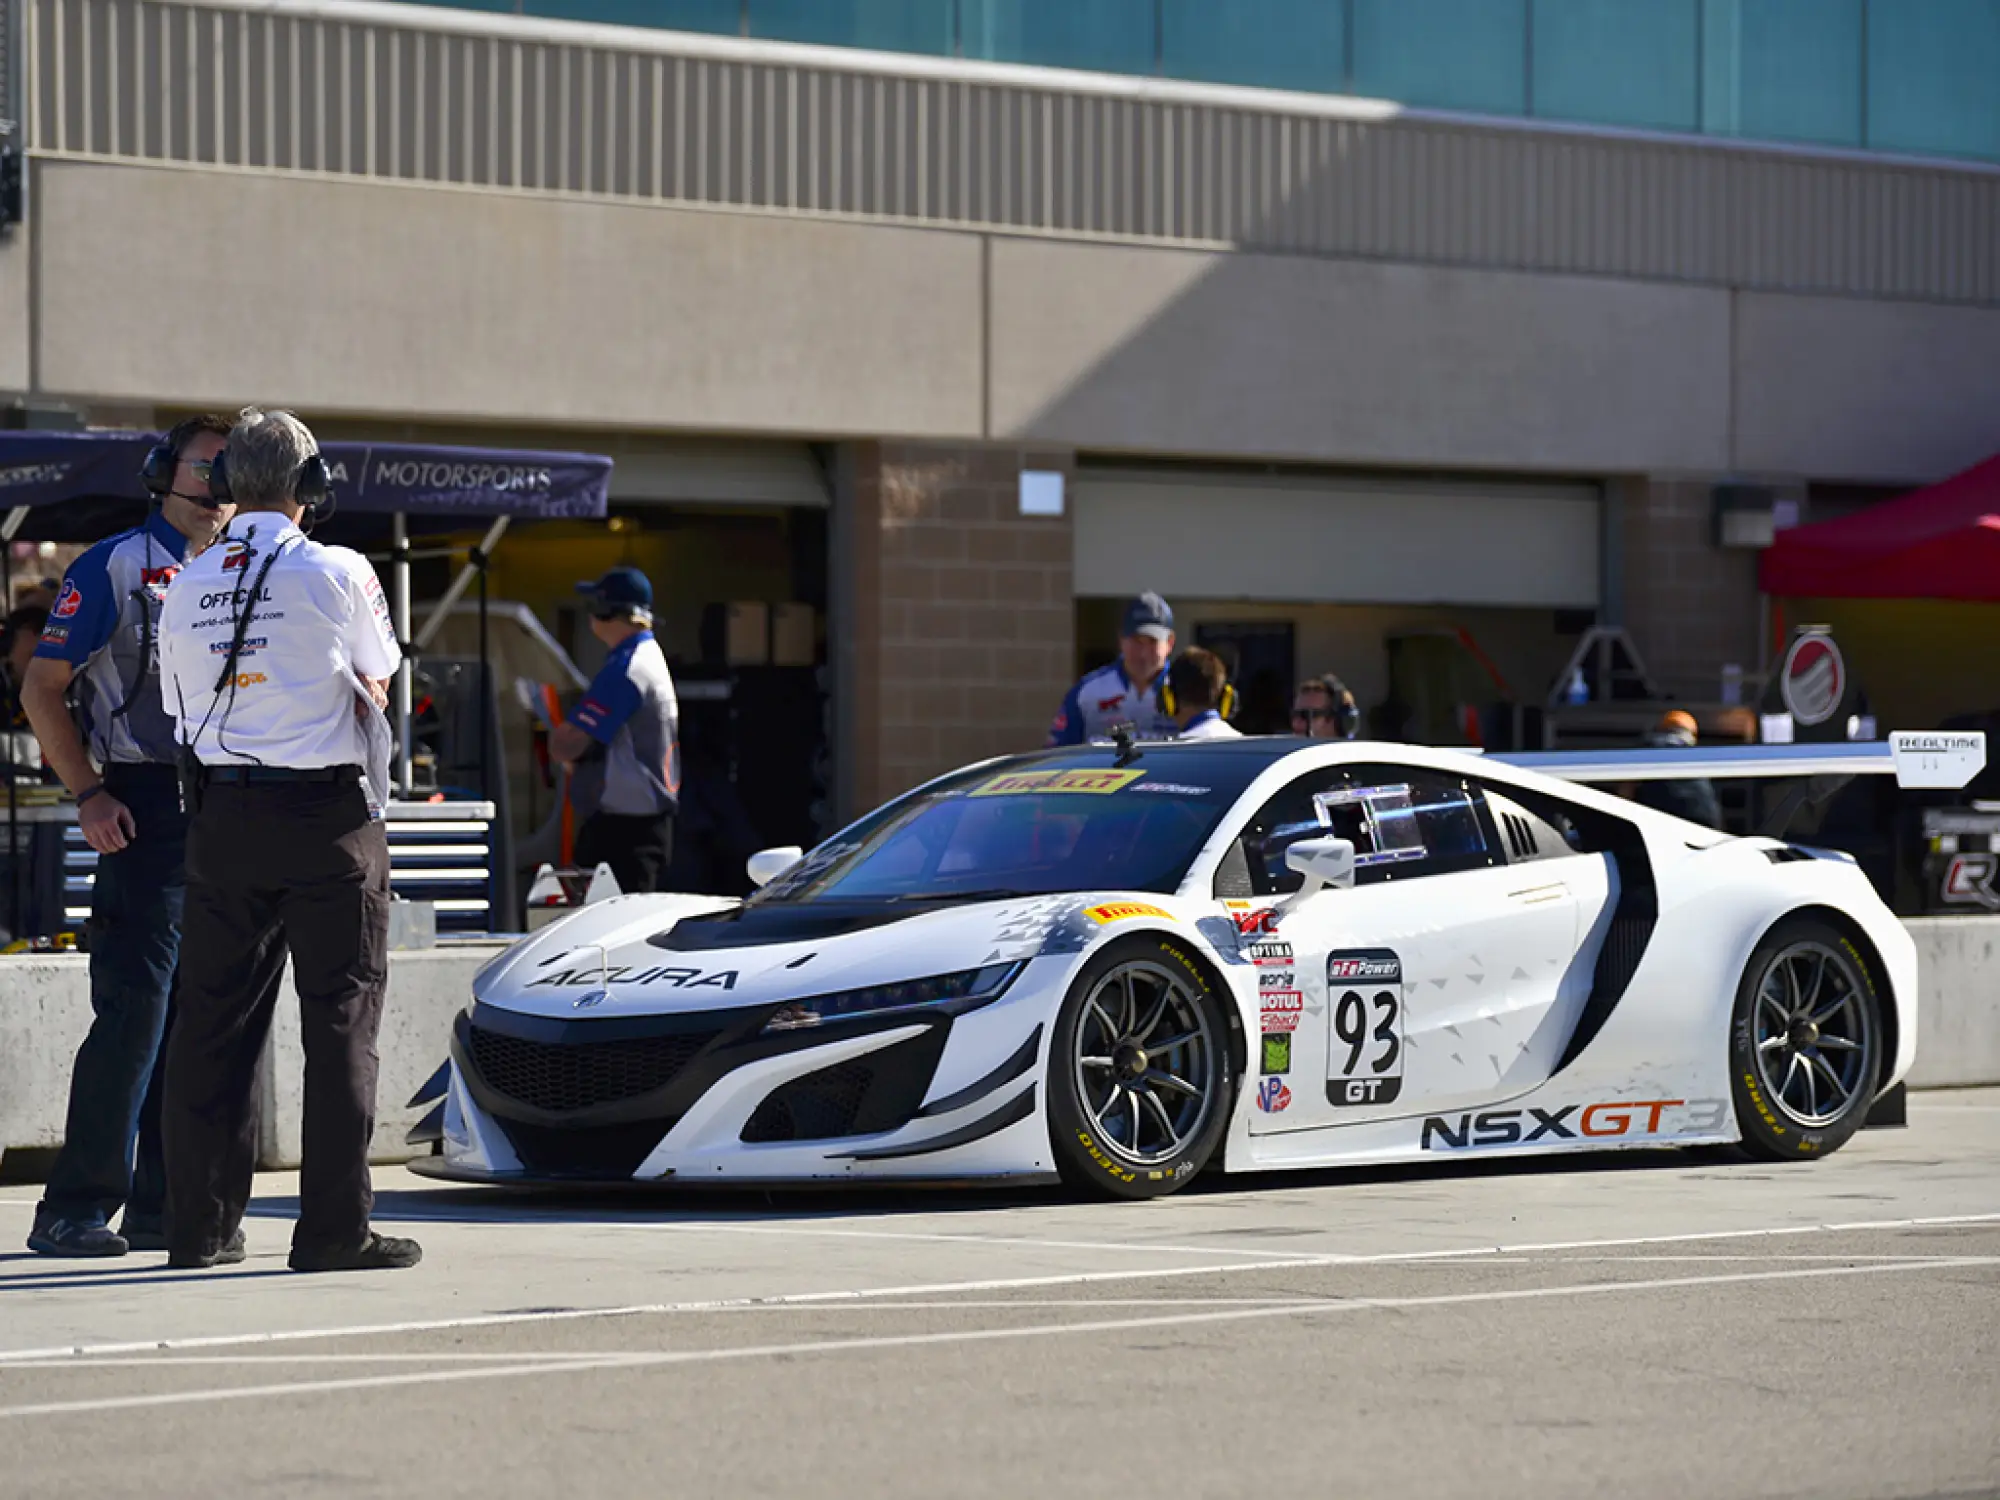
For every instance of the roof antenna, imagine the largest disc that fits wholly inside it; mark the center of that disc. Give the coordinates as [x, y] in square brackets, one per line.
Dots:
[1128, 751]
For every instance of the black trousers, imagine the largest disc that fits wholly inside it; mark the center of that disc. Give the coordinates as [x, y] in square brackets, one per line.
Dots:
[272, 868]
[637, 848]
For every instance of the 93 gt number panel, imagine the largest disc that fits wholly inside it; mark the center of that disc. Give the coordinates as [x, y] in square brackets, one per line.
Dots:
[1365, 1008]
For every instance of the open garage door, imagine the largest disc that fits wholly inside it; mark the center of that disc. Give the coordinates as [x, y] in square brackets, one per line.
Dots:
[1308, 539]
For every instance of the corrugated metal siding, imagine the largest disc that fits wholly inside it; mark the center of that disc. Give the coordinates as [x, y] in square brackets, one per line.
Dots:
[267, 89]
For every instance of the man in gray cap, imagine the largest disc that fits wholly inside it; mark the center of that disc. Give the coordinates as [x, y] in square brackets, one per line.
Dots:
[1128, 690]
[622, 744]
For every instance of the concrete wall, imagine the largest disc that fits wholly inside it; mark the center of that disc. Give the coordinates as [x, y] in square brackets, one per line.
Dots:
[45, 1011]
[355, 297]
[1958, 1006]
[1859, 389]
[1181, 351]
[373, 299]
[14, 313]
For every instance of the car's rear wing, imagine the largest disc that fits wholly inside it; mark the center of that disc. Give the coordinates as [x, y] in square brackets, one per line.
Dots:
[1917, 759]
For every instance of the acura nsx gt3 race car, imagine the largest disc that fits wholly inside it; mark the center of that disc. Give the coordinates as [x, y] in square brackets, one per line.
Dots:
[1121, 964]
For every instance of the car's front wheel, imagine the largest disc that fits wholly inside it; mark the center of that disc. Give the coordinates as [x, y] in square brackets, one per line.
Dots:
[1806, 1044]
[1140, 1076]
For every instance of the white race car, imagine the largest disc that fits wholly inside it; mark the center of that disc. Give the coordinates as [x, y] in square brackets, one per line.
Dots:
[1123, 963]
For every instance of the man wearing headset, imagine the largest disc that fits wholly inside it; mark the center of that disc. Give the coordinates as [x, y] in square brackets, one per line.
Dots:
[1199, 697]
[1323, 709]
[276, 654]
[99, 646]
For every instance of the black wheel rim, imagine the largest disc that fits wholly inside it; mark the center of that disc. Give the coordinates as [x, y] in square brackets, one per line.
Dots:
[1813, 1033]
[1145, 1063]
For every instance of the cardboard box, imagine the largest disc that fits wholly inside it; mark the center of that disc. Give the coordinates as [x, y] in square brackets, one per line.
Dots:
[794, 635]
[747, 640]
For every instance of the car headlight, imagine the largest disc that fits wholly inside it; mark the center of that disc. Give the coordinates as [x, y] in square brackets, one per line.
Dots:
[966, 987]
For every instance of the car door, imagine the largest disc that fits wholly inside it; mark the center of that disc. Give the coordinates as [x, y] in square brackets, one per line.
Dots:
[1447, 977]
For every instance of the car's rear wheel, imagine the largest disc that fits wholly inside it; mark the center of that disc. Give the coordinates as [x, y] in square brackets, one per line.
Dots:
[1806, 1043]
[1139, 1073]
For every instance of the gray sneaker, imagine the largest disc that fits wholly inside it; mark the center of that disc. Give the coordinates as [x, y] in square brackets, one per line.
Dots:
[66, 1238]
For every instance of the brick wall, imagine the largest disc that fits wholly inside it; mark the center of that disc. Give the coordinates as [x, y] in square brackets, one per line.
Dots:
[1690, 605]
[964, 621]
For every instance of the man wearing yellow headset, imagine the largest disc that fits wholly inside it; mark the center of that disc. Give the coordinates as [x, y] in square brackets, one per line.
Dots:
[1198, 695]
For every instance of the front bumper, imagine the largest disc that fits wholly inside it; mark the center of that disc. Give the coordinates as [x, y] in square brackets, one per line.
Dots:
[706, 1096]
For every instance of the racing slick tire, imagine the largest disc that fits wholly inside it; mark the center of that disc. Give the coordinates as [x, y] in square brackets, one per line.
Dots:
[1805, 1043]
[1140, 1080]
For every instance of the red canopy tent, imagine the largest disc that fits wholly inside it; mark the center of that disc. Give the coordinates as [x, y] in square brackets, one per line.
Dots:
[1937, 543]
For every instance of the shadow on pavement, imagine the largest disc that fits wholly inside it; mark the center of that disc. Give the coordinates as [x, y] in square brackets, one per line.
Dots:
[641, 1203]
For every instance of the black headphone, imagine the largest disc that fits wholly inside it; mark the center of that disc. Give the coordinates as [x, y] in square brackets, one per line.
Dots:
[311, 486]
[1346, 714]
[157, 472]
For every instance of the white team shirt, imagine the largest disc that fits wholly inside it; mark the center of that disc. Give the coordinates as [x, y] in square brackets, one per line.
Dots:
[1209, 726]
[319, 615]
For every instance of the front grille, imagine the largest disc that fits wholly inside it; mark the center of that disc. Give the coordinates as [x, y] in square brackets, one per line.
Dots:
[598, 1153]
[818, 1107]
[865, 1095]
[563, 1077]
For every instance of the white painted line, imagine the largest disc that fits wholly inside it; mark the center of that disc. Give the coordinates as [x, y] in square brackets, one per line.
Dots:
[921, 1289]
[1703, 1260]
[147, 1362]
[796, 1349]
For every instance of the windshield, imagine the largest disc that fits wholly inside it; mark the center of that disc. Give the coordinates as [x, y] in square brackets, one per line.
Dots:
[1038, 827]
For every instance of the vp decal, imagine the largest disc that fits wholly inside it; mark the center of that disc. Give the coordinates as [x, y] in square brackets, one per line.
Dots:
[1364, 996]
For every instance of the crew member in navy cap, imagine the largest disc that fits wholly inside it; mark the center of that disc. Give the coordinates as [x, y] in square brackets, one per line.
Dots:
[1127, 691]
[622, 743]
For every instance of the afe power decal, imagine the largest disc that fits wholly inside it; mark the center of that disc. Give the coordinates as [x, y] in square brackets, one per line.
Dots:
[1364, 999]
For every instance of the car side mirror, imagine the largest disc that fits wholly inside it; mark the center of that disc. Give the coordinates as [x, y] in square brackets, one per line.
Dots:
[766, 865]
[1327, 861]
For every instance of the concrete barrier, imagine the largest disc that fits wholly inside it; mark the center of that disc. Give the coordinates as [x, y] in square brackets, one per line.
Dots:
[45, 1010]
[1958, 1001]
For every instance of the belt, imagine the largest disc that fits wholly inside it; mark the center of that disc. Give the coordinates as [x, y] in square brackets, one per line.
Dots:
[266, 775]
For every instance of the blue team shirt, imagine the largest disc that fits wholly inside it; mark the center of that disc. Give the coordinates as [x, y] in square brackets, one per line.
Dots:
[630, 709]
[1107, 697]
[106, 624]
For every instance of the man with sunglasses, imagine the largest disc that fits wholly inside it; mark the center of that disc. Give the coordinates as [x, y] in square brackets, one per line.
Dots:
[1323, 709]
[622, 743]
[100, 646]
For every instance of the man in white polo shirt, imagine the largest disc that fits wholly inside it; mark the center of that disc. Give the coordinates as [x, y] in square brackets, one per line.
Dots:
[275, 653]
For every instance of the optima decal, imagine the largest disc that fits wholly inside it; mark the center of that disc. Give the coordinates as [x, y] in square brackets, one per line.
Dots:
[680, 979]
[1638, 1118]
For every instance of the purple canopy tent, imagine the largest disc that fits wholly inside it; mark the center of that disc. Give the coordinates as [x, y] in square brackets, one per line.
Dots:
[80, 486]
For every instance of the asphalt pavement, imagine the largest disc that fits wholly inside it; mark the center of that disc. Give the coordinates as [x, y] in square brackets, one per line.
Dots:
[1652, 1324]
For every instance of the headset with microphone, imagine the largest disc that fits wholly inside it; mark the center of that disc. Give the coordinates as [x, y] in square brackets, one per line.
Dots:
[157, 472]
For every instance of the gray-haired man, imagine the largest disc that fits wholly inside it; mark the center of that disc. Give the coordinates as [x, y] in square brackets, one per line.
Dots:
[274, 653]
